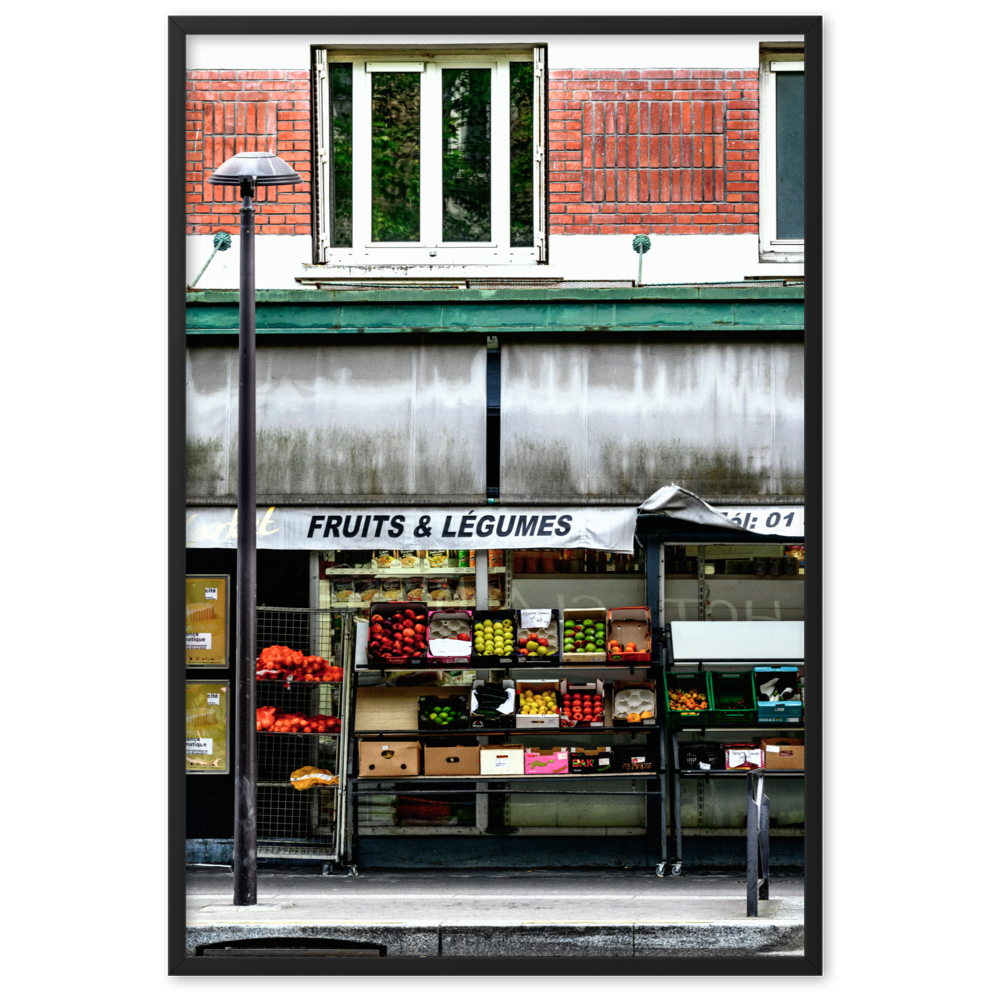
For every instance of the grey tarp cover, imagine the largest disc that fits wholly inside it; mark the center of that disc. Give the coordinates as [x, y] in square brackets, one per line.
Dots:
[683, 505]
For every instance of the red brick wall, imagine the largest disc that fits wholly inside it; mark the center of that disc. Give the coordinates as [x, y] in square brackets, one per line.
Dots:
[653, 151]
[232, 111]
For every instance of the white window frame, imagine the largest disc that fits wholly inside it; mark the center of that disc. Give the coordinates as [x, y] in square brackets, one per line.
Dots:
[431, 250]
[773, 250]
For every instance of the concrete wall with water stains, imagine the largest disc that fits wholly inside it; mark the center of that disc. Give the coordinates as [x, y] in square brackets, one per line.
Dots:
[617, 421]
[333, 422]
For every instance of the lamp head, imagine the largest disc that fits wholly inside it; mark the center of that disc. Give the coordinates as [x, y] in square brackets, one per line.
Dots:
[255, 170]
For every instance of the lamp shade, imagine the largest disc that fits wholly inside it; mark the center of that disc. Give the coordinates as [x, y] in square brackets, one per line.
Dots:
[264, 169]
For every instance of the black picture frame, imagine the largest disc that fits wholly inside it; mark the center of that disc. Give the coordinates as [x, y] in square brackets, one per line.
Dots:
[179, 28]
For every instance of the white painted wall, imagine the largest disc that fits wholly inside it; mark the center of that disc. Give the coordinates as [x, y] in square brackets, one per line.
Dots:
[565, 51]
[280, 259]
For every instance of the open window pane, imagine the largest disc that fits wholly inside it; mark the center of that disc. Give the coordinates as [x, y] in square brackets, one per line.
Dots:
[466, 155]
[521, 155]
[395, 157]
[341, 113]
[790, 154]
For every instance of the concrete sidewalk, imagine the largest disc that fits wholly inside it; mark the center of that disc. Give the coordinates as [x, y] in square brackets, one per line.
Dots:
[513, 913]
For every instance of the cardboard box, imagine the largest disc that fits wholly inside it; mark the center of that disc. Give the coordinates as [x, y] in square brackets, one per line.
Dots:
[567, 689]
[378, 759]
[787, 709]
[742, 757]
[634, 759]
[782, 754]
[549, 632]
[702, 757]
[451, 760]
[554, 760]
[502, 760]
[595, 761]
[538, 721]
[499, 721]
[578, 616]
[638, 697]
[630, 625]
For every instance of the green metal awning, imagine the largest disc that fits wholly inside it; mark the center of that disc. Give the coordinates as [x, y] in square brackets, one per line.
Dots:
[682, 309]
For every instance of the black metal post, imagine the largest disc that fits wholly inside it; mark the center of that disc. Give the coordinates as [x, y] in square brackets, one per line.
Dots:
[245, 726]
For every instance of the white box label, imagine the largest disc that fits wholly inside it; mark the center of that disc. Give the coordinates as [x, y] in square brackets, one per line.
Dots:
[199, 746]
[213, 698]
[704, 766]
[603, 760]
[199, 640]
[211, 593]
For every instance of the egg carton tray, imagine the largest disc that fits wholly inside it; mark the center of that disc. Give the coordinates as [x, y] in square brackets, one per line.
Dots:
[632, 701]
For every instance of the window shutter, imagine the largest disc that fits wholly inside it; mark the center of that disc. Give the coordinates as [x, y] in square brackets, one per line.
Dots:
[541, 173]
[323, 139]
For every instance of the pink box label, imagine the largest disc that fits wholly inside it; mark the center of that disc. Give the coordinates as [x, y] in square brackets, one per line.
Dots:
[546, 763]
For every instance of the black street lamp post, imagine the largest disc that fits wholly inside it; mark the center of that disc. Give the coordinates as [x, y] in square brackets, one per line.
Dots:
[248, 171]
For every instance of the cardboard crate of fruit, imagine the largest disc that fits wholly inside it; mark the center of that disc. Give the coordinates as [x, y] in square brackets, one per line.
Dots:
[635, 703]
[449, 636]
[443, 712]
[494, 637]
[537, 633]
[397, 633]
[629, 635]
[581, 704]
[538, 704]
[584, 635]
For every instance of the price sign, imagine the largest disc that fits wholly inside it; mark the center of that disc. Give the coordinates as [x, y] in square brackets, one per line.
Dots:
[536, 618]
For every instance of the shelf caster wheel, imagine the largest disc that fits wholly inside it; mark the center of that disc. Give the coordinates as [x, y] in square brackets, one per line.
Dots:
[675, 869]
[661, 869]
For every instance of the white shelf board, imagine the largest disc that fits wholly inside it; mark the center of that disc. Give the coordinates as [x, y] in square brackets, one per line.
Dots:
[764, 641]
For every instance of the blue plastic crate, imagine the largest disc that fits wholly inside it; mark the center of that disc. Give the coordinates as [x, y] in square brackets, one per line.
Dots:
[786, 711]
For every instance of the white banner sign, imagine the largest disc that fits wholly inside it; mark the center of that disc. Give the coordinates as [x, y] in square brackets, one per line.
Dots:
[608, 529]
[768, 520]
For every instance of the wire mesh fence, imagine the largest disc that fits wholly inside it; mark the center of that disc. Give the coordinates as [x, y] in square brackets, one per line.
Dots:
[292, 822]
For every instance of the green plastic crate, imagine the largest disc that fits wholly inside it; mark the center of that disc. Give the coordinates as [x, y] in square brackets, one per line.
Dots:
[697, 679]
[731, 696]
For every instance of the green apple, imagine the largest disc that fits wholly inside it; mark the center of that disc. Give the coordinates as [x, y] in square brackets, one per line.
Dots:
[590, 648]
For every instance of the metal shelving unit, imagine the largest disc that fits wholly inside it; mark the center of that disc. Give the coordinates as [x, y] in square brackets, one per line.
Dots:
[487, 790]
[677, 773]
[293, 823]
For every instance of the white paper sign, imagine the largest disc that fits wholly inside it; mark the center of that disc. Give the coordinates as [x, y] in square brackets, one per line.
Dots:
[199, 640]
[213, 698]
[604, 760]
[199, 746]
[536, 618]
[450, 647]
[704, 766]
[211, 593]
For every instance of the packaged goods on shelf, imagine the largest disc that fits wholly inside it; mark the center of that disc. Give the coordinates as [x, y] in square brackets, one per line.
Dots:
[783, 754]
[437, 712]
[415, 589]
[538, 704]
[629, 635]
[593, 761]
[554, 760]
[584, 635]
[386, 559]
[366, 589]
[308, 777]
[502, 760]
[777, 691]
[391, 589]
[493, 706]
[631, 759]
[581, 704]
[731, 696]
[343, 590]
[270, 720]
[496, 558]
[451, 760]
[635, 703]
[437, 559]
[409, 559]
[449, 636]
[687, 695]
[439, 589]
[285, 664]
[743, 756]
[537, 633]
[378, 759]
[397, 633]
[465, 589]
